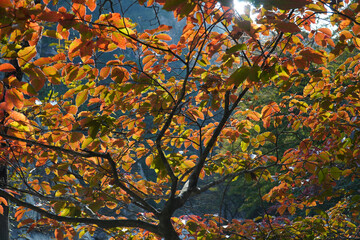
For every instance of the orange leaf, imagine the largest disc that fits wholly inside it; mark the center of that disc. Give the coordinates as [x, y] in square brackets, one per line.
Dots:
[149, 160]
[74, 46]
[42, 61]
[5, 3]
[7, 67]
[326, 31]
[71, 109]
[164, 37]
[111, 205]
[282, 209]
[19, 213]
[254, 116]
[59, 235]
[3, 201]
[49, 16]
[26, 54]
[356, 29]
[79, 10]
[346, 34]
[91, 4]
[25, 222]
[270, 109]
[46, 187]
[15, 97]
[119, 40]
[104, 72]
[18, 117]
[150, 2]
[50, 70]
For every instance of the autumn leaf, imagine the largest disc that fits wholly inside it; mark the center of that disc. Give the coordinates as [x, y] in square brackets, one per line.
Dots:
[109, 115]
[7, 67]
[81, 97]
[163, 36]
[287, 27]
[3, 201]
[327, 31]
[91, 4]
[14, 97]
[289, 4]
[5, 3]
[26, 54]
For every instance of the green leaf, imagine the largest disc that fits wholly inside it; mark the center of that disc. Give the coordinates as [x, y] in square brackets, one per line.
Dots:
[236, 48]
[65, 212]
[239, 76]
[86, 142]
[94, 129]
[254, 74]
[322, 174]
[335, 173]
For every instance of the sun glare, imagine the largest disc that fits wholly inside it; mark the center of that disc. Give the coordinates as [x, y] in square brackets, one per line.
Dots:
[240, 6]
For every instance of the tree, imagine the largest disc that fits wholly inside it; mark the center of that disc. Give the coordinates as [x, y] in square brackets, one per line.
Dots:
[120, 128]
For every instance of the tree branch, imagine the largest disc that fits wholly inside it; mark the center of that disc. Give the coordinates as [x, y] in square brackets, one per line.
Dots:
[84, 153]
[56, 199]
[136, 197]
[340, 13]
[100, 222]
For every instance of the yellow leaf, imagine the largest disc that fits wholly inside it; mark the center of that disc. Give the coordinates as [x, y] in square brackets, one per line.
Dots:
[26, 54]
[81, 97]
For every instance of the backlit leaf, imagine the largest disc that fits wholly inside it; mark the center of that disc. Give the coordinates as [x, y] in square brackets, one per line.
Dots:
[7, 67]
[163, 36]
[26, 54]
[81, 97]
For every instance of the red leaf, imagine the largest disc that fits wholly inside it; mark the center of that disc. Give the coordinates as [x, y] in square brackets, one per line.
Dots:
[5, 3]
[289, 4]
[50, 16]
[119, 74]
[59, 235]
[7, 67]
[287, 27]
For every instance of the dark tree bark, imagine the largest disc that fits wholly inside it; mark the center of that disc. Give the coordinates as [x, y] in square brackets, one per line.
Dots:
[4, 218]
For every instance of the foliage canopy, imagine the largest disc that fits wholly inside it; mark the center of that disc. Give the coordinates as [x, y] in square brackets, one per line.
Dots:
[142, 115]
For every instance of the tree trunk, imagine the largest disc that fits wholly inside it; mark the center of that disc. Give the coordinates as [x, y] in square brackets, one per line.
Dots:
[167, 230]
[4, 218]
